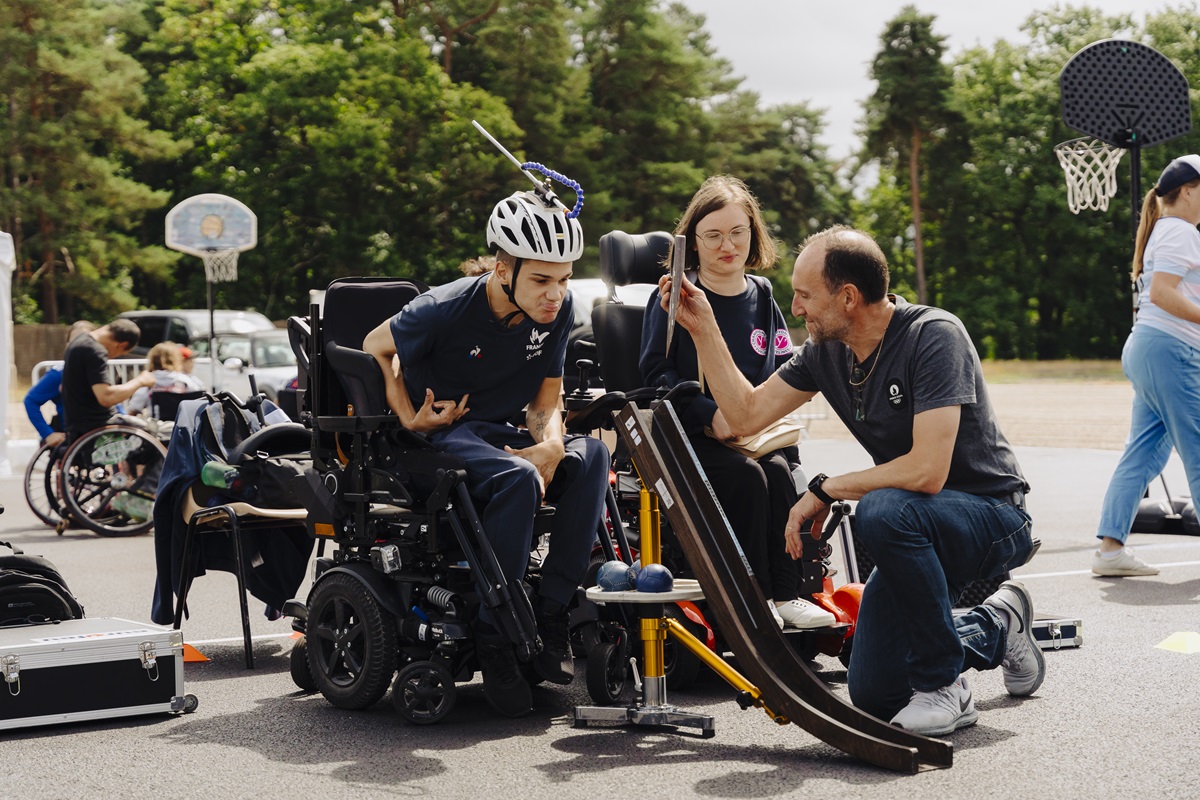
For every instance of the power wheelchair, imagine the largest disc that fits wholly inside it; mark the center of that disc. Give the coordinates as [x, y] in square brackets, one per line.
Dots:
[411, 565]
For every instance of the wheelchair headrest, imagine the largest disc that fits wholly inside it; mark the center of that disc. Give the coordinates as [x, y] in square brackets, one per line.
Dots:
[355, 306]
[627, 258]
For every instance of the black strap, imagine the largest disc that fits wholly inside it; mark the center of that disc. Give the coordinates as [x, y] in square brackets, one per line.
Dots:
[16, 550]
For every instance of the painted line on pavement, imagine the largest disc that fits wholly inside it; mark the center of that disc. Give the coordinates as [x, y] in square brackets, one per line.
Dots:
[1032, 575]
[238, 638]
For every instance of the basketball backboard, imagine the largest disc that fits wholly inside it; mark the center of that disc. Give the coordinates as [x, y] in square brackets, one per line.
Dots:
[1125, 94]
[211, 222]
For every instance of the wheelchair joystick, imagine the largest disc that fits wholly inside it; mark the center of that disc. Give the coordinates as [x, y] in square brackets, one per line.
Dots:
[585, 365]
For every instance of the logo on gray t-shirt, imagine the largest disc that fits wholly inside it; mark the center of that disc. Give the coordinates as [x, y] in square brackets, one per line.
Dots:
[896, 395]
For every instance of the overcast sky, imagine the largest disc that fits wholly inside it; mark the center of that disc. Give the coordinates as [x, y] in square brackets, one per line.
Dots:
[819, 51]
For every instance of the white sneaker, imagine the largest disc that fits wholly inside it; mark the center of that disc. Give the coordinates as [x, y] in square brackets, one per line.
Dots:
[1125, 565]
[775, 613]
[1023, 664]
[939, 712]
[803, 614]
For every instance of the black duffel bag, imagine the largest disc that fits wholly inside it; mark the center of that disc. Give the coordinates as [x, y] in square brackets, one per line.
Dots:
[32, 591]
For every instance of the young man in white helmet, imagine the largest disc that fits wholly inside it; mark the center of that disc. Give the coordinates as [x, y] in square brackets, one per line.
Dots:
[475, 353]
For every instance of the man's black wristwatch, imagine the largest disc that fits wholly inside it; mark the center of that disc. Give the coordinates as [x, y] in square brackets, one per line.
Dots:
[814, 486]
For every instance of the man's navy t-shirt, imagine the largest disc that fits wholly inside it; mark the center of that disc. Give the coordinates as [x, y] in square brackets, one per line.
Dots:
[448, 340]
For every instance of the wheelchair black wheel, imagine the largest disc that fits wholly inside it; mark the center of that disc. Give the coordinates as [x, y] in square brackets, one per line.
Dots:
[41, 486]
[680, 666]
[606, 673]
[351, 647]
[109, 480]
[298, 663]
[424, 692]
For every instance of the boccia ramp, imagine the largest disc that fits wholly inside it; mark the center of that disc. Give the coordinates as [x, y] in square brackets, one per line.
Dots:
[668, 467]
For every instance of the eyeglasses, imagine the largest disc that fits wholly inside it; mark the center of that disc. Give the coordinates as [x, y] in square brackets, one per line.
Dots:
[713, 240]
[856, 394]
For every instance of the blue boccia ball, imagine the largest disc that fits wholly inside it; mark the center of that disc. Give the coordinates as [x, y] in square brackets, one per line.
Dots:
[655, 578]
[614, 576]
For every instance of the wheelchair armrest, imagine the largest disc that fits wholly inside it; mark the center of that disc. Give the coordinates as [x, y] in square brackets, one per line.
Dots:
[681, 392]
[595, 414]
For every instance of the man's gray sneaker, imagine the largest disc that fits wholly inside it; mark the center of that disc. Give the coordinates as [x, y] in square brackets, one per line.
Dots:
[1024, 666]
[939, 712]
[1126, 565]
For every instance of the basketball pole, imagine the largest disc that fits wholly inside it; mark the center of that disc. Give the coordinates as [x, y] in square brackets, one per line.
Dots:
[212, 332]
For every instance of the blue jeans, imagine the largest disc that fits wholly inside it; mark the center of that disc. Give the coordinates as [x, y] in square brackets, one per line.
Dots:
[1165, 373]
[927, 548]
[507, 485]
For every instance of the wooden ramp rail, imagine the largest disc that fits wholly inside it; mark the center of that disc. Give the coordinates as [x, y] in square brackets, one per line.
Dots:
[667, 466]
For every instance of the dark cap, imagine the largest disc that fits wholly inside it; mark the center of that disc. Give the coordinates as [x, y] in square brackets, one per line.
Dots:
[1180, 171]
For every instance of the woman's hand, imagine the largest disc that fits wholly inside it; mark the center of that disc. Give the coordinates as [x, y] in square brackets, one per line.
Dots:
[720, 428]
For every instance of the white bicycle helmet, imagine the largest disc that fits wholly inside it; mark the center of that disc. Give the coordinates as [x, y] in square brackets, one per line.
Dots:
[525, 227]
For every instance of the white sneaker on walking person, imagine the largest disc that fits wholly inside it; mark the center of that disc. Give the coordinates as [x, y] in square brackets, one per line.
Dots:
[803, 614]
[1121, 564]
[939, 712]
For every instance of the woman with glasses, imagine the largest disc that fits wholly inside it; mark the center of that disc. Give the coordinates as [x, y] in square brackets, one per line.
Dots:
[1160, 359]
[725, 237]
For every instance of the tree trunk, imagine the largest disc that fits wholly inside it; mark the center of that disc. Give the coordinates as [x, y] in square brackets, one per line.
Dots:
[49, 279]
[914, 185]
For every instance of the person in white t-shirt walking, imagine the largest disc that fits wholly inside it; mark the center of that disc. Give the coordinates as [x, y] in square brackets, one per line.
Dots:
[1161, 358]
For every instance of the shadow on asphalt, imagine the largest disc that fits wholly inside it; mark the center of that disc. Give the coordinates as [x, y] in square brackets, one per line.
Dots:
[1149, 591]
[370, 748]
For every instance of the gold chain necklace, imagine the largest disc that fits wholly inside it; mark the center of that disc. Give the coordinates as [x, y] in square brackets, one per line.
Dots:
[878, 356]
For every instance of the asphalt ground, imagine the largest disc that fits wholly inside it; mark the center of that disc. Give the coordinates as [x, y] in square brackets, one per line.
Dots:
[1119, 716]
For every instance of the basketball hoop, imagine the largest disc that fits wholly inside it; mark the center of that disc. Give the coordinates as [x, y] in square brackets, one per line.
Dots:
[220, 266]
[1091, 169]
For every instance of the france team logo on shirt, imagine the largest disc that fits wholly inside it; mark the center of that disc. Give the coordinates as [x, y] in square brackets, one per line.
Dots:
[536, 341]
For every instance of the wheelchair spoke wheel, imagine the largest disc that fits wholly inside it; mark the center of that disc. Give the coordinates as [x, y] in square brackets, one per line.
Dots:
[424, 692]
[351, 645]
[109, 480]
[41, 486]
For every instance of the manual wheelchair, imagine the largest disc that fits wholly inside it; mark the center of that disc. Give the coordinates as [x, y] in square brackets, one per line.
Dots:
[105, 480]
[411, 565]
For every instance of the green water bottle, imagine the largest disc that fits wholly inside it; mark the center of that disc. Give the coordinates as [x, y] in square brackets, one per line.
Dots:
[219, 475]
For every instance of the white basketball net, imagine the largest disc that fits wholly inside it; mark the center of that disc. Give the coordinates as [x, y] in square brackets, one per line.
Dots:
[1091, 168]
[220, 266]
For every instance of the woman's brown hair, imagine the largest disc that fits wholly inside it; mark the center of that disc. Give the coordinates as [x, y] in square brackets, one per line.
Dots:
[713, 195]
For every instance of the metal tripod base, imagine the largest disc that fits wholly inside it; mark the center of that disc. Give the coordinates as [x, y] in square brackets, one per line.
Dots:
[654, 712]
[651, 716]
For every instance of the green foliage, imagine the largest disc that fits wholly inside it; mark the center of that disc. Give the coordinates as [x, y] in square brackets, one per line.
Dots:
[346, 127]
[72, 137]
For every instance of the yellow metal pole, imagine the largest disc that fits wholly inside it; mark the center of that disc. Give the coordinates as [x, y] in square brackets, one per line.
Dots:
[717, 664]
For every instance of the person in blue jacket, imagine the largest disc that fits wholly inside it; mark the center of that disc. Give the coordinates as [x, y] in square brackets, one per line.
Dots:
[48, 389]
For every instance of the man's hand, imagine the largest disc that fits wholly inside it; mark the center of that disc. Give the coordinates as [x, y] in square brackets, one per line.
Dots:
[807, 508]
[54, 439]
[720, 428]
[693, 311]
[433, 415]
[146, 379]
[543, 455]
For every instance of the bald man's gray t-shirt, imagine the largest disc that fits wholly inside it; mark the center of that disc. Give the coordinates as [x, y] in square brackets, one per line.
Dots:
[926, 361]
